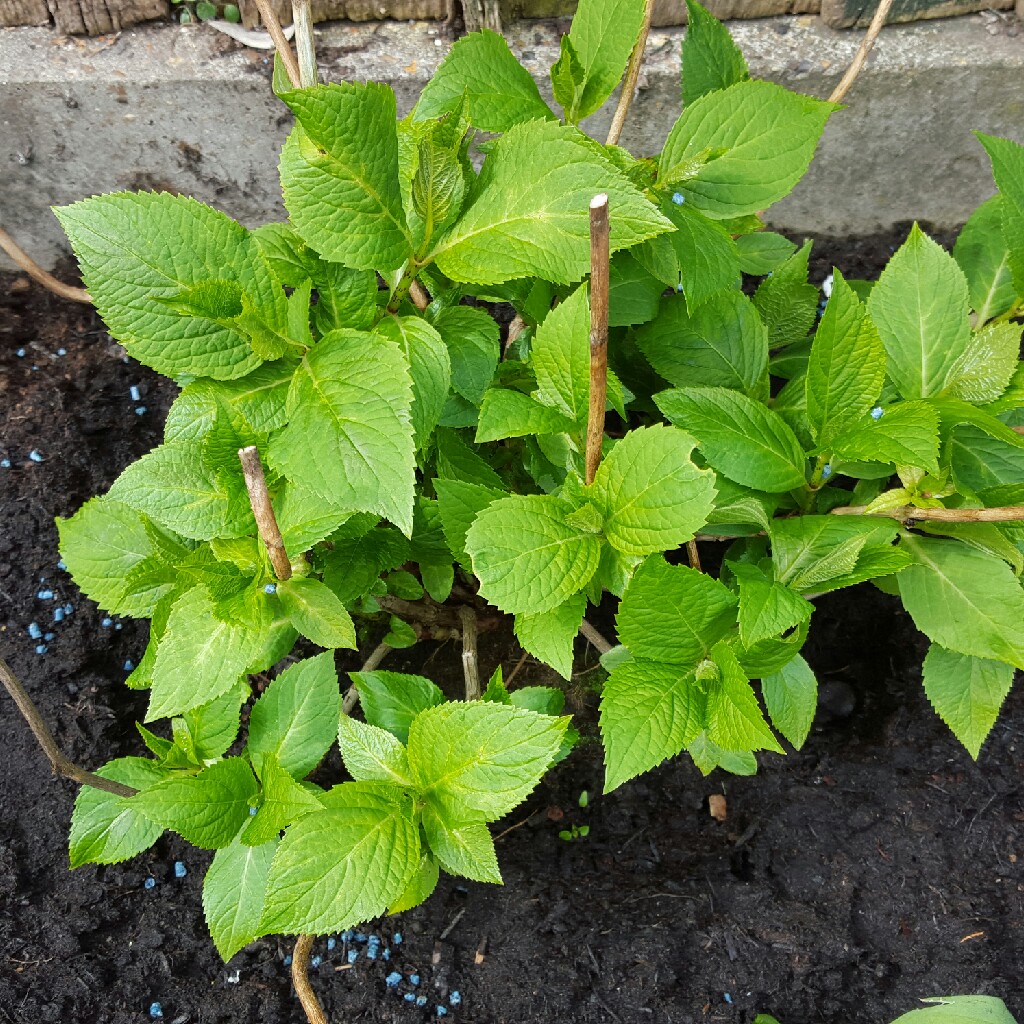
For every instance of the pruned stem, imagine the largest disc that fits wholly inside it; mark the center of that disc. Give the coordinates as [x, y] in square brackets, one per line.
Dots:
[588, 632]
[599, 257]
[863, 50]
[58, 762]
[636, 59]
[284, 50]
[470, 669]
[693, 554]
[908, 514]
[515, 328]
[36, 272]
[419, 295]
[266, 521]
[300, 979]
[302, 18]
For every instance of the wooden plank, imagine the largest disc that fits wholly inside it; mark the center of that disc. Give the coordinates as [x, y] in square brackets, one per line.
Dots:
[23, 12]
[857, 13]
[98, 17]
[352, 10]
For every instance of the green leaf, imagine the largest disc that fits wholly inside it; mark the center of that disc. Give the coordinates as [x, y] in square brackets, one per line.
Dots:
[983, 256]
[295, 719]
[768, 134]
[649, 713]
[143, 253]
[233, 894]
[206, 809]
[257, 400]
[739, 437]
[919, 306]
[721, 344]
[199, 657]
[734, 717]
[102, 544]
[460, 503]
[967, 693]
[507, 413]
[344, 865]
[550, 635]
[633, 296]
[568, 78]
[474, 346]
[986, 368]
[763, 251]
[791, 697]
[965, 600]
[429, 365]
[706, 254]
[525, 555]
[438, 186]
[1007, 159]
[212, 728]
[650, 493]
[316, 613]
[345, 297]
[349, 435]
[674, 614]
[603, 34]
[810, 550]
[463, 847]
[498, 91]
[305, 518]
[339, 174]
[767, 609]
[423, 883]
[372, 754]
[907, 435]
[560, 355]
[391, 700]
[456, 460]
[846, 368]
[960, 1010]
[107, 829]
[481, 757]
[177, 488]
[787, 302]
[284, 801]
[711, 60]
[529, 215]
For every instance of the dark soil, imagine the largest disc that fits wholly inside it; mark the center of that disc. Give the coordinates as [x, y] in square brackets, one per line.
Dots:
[878, 865]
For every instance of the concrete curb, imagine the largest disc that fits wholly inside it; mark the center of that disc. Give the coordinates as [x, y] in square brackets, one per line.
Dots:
[188, 110]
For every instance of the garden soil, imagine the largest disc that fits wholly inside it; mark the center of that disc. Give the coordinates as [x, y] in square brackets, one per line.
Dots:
[878, 865]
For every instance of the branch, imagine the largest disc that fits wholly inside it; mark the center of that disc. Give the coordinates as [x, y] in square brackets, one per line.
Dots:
[273, 26]
[470, 670]
[377, 655]
[266, 521]
[58, 762]
[908, 514]
[302, 19]
[693, 554]
[436, 619]
[300, 979]
[598, 331]
[862, 53]
[636, 59]
[588, 632]
[36, 272]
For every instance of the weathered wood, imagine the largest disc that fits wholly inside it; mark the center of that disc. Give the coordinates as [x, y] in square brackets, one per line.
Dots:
[478, 14]
[857, 13]
[23, 12]
[352, 10]
[667, 12]
[98, 17]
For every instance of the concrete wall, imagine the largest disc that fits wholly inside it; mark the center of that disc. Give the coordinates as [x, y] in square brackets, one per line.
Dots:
[185, 109]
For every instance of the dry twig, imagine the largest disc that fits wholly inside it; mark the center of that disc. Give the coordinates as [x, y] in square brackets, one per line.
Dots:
[302, 19]
[908, 514]
[588, 632]
[470, 669]
[36, 272]
[58, 762]
[636, 59]
[862, 53]
[300, 979]
[284, 50]
[599, 257]
[263, 510]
